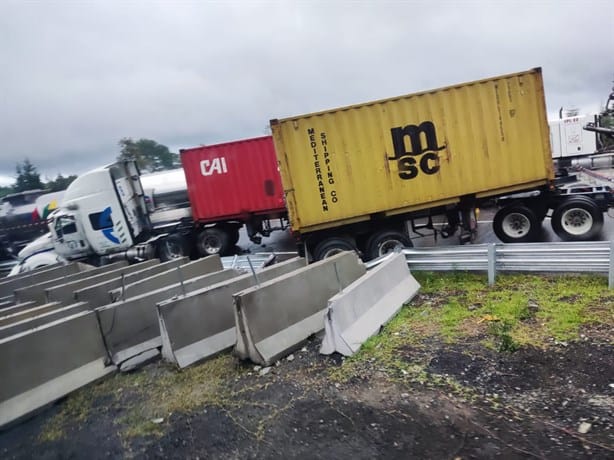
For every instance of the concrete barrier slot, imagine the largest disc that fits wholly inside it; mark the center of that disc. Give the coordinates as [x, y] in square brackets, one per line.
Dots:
[131, 327]
[65, 292]
[190, 270]
[8, 285]
[41, 365]
[202, 323]
[41, 319]
[277, 316]
[366, 305]
[36, 292]
[99, 294]
[25, 313]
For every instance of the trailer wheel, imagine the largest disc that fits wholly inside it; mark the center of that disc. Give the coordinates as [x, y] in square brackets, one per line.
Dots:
[577, 219]
[381, 243]
[213, 241]
[331, 246]
[516, 224]
[172, 247]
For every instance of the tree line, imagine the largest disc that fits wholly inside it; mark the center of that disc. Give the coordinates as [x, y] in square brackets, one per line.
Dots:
[148, 154]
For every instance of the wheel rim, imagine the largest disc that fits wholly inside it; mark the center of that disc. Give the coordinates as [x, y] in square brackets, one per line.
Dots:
[389, 246]
[576, 221]
[516, 225]
[211, 244]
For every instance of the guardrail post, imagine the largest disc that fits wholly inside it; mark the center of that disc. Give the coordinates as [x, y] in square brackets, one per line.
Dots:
[611, 271]
[492, 264]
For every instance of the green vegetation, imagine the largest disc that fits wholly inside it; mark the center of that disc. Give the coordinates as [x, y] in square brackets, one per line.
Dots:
[141, 399]
[520, 310]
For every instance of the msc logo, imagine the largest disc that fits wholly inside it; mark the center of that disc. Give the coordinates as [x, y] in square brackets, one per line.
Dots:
[422, 145]
[214, 166]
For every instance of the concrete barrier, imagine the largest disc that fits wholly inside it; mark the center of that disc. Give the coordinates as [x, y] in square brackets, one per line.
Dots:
[130, 327]
[65, 292]
[41, 365]
[8, 285]
[15, 308]
[190, 270]
[201, 324]
[39, 320]
[6, 302]
[25, 313]
[274, 318]
[98, 294]
[36, 292]
[366, 305]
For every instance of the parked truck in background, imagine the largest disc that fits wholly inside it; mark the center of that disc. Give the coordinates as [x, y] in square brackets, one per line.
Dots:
[585, 140]
[23, 218]
[359, 177]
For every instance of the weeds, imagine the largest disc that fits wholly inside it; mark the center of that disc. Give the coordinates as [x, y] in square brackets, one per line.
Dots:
[519, 310]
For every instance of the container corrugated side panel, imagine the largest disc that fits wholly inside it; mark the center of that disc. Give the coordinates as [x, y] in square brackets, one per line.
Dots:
[233, 180]
[487, 137]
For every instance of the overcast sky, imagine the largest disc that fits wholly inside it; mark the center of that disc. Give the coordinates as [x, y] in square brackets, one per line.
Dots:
[77, 76]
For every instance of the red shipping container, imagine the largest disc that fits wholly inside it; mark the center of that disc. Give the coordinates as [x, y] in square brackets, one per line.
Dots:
[233, 180]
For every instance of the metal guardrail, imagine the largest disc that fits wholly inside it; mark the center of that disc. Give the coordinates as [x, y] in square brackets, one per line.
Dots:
[242, 263]
[570, 257]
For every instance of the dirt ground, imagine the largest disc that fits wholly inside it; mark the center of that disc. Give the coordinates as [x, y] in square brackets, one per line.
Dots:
[470, 402]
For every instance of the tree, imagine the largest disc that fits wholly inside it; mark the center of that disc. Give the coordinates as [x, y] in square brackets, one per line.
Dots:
[148, 154]
[6, 191]
[59, 183]
[28, 177]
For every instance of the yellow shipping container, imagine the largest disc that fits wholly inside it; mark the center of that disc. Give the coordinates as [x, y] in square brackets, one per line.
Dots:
[414, 152]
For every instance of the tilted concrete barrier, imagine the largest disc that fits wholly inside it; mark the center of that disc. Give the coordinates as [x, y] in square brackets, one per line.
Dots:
[366, 305]
[65, 292]
[36, 292]
[41, 365]
[28, 312]
[99, 294]
[8, 285]
[190, 270]
[41, 319]
[6, 302]
[275, 317]
[130, 327]
[16, 308]
[202, 323]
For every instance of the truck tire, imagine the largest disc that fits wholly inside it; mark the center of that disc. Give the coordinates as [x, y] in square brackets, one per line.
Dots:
[385, 241]
[516, 223]
[213, 241]
[172, 247]
[331, 246]
[577, 219]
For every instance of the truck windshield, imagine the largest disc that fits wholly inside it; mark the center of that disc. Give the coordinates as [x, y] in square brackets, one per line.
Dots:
[65, 225]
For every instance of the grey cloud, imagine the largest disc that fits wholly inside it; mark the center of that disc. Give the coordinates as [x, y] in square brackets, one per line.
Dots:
[80, 76]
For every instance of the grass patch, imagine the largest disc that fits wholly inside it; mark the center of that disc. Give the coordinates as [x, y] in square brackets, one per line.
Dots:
[519, 310]
[143, 396]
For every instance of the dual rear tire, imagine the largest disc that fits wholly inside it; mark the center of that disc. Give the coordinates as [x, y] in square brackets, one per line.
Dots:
[377, 245]
[575, 219]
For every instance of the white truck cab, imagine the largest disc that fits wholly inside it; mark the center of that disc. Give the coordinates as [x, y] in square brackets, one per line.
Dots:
[103, 212]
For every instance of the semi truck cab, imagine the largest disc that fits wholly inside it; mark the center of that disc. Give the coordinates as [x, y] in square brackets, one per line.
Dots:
[103, 212]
